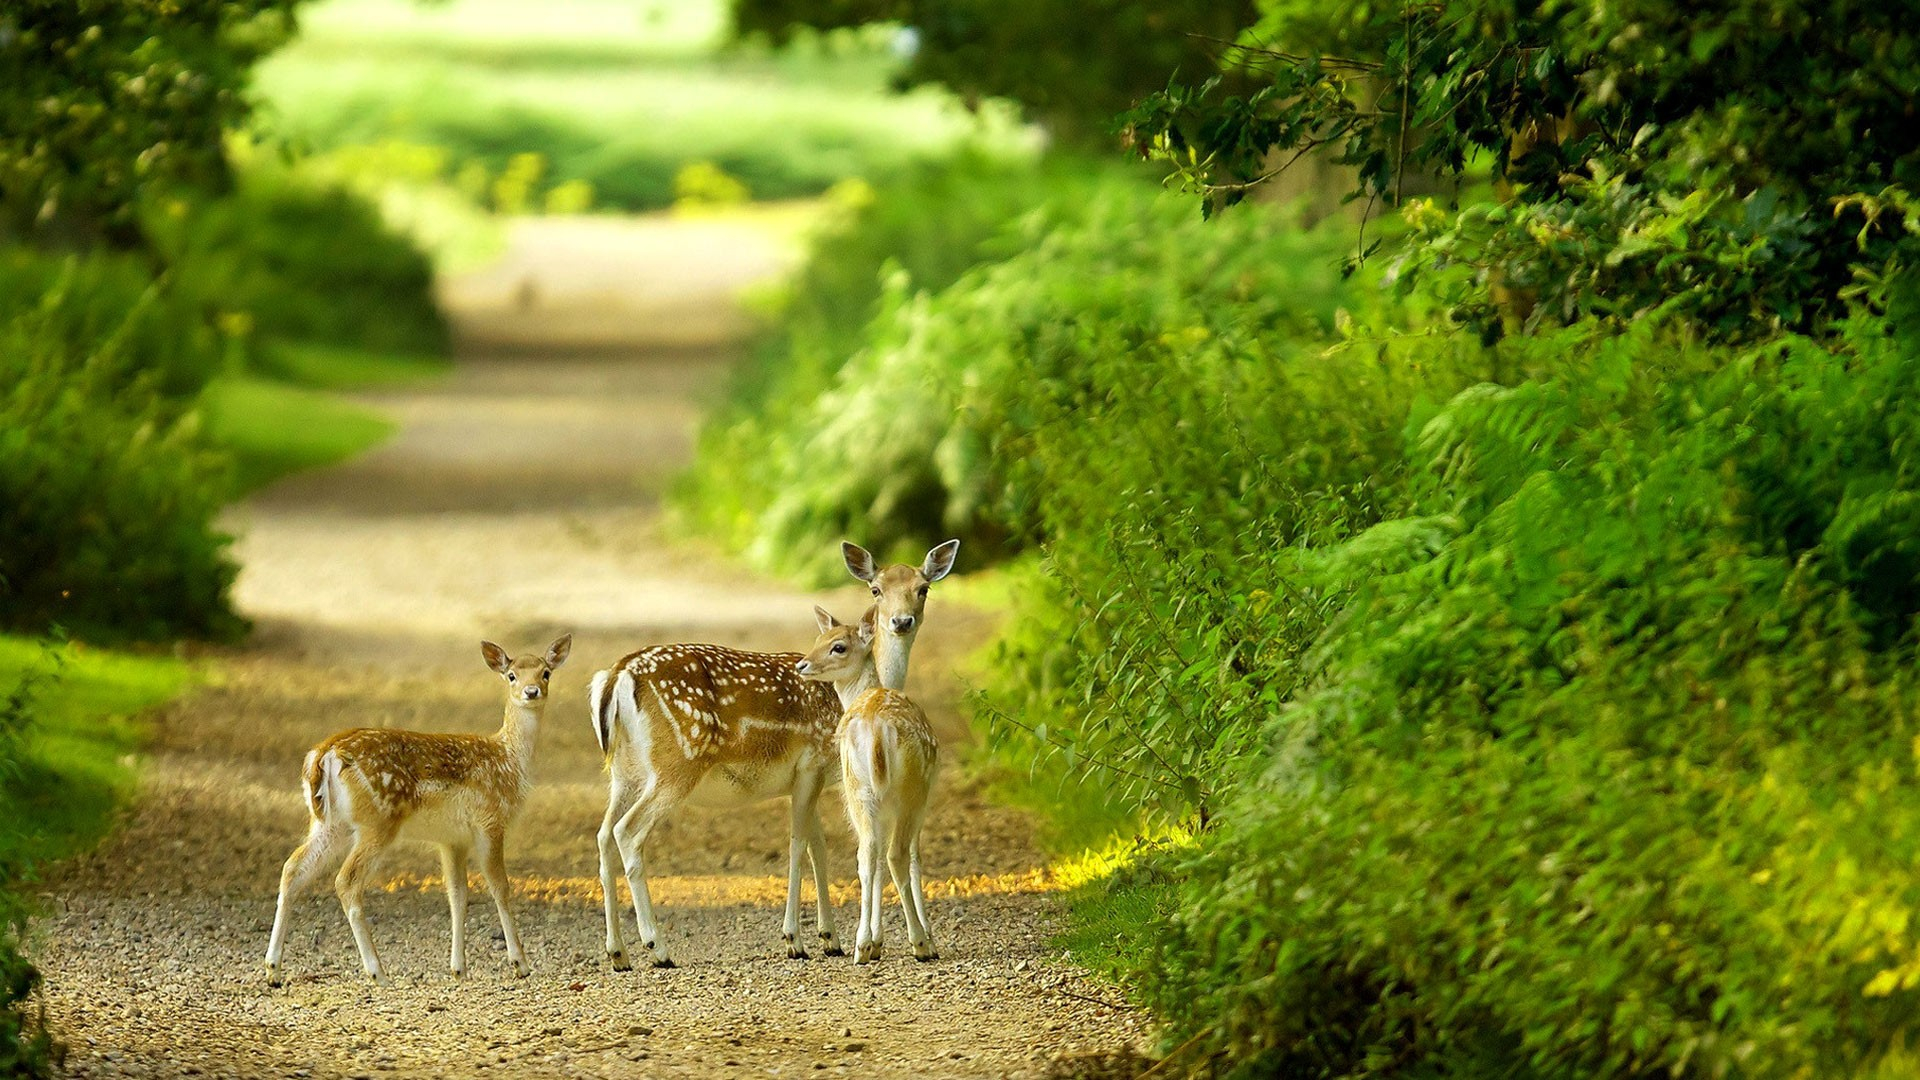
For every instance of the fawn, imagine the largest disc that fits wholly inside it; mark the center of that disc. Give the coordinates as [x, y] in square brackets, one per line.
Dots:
[368, 787]
[714, 726]
[888, 757]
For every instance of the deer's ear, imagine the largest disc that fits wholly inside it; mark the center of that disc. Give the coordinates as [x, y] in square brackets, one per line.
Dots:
[496, 657]
[859, 561]
[866, 632]
[558, 651]
[939, 561]
[824, 618]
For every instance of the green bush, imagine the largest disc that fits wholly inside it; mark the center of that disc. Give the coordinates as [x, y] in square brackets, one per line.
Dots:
[920, 231]
[1609, 772]
[28, 1050]
[113, 307]
[106, 496]
[917, 432]
[281, 259]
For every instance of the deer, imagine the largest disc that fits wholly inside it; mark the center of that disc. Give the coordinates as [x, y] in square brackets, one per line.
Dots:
[888, 758]
[367, 788]
[710, 725]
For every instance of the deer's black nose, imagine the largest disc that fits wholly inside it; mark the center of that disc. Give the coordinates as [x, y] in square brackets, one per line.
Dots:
[902, 624]
[530, 692]
[802, 667]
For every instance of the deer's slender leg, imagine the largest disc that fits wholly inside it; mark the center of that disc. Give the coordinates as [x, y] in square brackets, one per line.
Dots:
[805, 813]
[453, 865]
[823, 899]
[619, 799]
[630, 833]
[493, 865]
[305, 864]
[351, 886]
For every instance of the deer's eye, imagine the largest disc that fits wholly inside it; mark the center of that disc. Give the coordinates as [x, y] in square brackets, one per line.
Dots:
[923, 592]
[876, 590]
[511, 677]
[544, 674]
[839, 647]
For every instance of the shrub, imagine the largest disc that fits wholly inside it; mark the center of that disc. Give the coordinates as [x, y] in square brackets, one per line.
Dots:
[283, 259]
[114, 308]
[921, 230]
[917, 435]
[1611, 775]
[106, 497]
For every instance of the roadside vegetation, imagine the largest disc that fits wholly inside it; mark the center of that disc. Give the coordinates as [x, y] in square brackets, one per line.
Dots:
[1478, 643]
[607, 103]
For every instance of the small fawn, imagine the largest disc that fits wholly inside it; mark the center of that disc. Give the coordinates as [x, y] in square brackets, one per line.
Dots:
[369, 787]
[888, 756]
[720, 727]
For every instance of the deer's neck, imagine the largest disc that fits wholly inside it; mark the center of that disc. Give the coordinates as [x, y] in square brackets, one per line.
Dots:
[851, 689]
[517, 731]
[890, 653]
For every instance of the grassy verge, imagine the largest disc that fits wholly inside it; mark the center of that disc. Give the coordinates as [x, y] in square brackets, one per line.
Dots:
[272, 427]
[70, 763]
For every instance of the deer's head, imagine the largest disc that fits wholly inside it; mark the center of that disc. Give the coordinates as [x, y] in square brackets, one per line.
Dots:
[527, 676]
[840, 651]
[900, 591]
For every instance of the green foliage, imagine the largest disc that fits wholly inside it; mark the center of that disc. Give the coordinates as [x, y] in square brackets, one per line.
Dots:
[1071, 63]
[107, 496]
[107, 100]
[607, 99]
[110, 484]
[938, 424]
[1684, 157]
[919, 231]
[1615, 779]
[286, 259]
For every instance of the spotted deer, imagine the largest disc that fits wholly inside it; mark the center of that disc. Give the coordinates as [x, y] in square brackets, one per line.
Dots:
[721, 727]
[888, 757]
[368, 787]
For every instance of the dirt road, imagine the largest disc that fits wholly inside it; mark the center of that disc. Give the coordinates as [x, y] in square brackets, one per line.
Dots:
[521, 498]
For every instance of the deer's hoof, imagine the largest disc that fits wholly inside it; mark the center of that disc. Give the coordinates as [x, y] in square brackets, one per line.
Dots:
[457, 973]
[620, 961]
[926, 954]
[665, 962]
[830, 945]
[274, 978]
[521, 970]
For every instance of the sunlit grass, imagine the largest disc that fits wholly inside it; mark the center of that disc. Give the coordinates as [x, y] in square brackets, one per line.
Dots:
[77, 760]
[274, 428]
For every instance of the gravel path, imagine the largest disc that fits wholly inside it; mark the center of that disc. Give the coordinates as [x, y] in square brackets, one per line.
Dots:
[521, 498]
